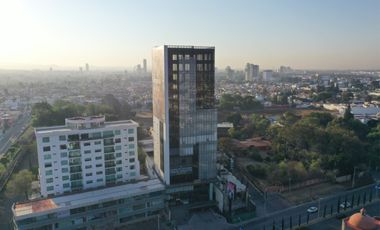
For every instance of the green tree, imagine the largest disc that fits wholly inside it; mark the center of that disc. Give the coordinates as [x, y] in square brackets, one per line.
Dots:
[20, 183]
[235, 118]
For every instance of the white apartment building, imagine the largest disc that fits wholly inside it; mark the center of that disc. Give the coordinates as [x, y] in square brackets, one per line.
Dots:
[86, 153]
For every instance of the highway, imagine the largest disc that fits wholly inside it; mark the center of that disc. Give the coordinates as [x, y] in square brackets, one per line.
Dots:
[283, 219]
[14, 132]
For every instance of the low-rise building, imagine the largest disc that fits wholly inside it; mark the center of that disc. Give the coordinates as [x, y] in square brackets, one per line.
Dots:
[106, 208]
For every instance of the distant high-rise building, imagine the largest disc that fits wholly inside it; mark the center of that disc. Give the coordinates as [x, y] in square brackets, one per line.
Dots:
[86, 153]
[229, 72]
[80, 69]
[184, 114]
[144, 66]
[251, 72]
[87, 67]
[267, 75]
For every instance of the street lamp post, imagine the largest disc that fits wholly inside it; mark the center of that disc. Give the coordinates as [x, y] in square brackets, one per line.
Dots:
[353, 178]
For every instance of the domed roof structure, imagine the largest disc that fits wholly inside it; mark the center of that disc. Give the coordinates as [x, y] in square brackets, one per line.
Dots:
[360, 221]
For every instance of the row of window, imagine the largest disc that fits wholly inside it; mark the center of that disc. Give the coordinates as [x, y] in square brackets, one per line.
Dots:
[199, 57]
[84, 136]
[63, 147]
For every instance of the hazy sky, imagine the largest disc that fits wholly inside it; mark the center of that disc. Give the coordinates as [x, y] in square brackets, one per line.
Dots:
[318, 34]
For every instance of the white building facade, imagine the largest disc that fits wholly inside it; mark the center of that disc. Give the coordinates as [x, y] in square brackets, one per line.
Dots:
[86, 153]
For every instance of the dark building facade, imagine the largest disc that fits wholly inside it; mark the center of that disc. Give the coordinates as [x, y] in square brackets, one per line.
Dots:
[184, 114]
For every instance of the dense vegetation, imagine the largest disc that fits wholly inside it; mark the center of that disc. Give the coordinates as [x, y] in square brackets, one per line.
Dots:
[229, 102]
[45, 114]
[311, 146]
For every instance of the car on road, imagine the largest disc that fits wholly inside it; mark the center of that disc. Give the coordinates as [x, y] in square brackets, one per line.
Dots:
[377, 187]
[345, 205]
[312, 209]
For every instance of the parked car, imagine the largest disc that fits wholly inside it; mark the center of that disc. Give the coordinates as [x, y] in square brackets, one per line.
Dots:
[312, 209]
[345, 205]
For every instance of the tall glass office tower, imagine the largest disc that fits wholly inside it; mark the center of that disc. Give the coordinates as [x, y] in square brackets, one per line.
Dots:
[184, 114]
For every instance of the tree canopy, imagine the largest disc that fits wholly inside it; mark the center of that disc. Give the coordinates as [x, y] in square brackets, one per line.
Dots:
[45, 114]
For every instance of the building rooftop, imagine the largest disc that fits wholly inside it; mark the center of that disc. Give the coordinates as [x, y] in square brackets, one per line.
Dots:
[62, 128]
[186, 47]
[49, 205]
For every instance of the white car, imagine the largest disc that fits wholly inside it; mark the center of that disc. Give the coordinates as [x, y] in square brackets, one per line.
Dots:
[312, 209]
[345, 205]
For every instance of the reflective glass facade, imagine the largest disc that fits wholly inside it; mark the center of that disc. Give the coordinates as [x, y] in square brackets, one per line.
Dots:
[185, 124]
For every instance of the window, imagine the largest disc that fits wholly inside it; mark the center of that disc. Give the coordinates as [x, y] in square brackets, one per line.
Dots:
[99, 172]
[46, 148]
[65, 170]
[118, 154]
[119, 176]
[99, 165]
[174, 57]
[66, 185]
[187, 67]
[88, 166]
[131, 139]
[84, 136]
[118, 162]
[132, 173]
[47, 157]
[62, 138]
[96, 135]
[99, 180]
[63, 147]
[131, 160]
[98, 142]
[73, 137]
[87, 159]
[107, 134]
[64, 162]
[89, 182]
[88, 174]
[48, 165]
[45, 139]
[65, 177]
[131, 146]
[180, 67]
[174, 67]
[180, 56]
[64, 154]
[98, 150]
[187, 57]
[49, 180]
[131, 167]
[118, 147]
[117, 132]
[131, 153]
[87, 144]
[199, 57]
[50, 188]
[119, 169]
[131, 131]
[87, 151]
[98, 158]
[117, 140]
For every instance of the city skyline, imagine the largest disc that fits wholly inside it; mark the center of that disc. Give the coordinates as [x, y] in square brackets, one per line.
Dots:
[302, 34]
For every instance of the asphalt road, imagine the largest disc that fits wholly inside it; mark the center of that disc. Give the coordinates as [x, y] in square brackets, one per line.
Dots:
[13, 133]
[372, 209]
[282, 218]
